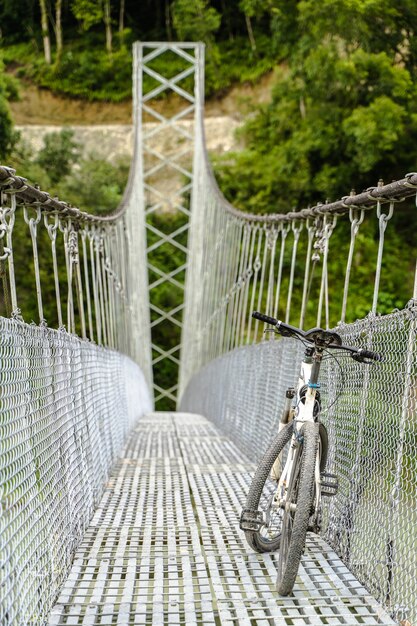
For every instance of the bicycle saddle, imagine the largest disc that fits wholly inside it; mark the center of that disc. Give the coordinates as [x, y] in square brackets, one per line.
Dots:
[322, 337]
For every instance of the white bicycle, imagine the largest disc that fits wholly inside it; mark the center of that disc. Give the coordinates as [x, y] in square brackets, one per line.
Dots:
[284, 499]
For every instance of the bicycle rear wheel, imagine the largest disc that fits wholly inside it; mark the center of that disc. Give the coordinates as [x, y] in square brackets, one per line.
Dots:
[266, 535]
[298, 508]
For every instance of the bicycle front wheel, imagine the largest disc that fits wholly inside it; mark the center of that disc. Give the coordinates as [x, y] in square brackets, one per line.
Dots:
[298, 509]
[262, 492]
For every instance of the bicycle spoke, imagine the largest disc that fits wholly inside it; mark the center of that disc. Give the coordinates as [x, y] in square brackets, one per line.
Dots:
[269, 504]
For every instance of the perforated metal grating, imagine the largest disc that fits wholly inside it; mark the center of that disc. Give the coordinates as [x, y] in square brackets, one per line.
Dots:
[164, 545]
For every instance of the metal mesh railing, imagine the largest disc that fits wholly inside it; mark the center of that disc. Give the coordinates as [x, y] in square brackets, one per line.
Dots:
[371, 420]
[66, 404]
[280, 265]
[71, 270]
[66, 407]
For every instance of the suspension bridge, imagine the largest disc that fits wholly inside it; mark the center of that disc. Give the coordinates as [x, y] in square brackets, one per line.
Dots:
[111, 513]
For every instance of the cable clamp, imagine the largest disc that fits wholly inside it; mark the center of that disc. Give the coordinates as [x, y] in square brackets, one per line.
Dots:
[407, 183]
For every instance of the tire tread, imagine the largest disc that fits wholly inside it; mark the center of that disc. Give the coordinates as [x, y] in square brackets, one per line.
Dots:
[310, 433]
[254, 538]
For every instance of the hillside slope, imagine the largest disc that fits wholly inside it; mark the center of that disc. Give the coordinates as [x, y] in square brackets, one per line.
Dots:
[42, 107]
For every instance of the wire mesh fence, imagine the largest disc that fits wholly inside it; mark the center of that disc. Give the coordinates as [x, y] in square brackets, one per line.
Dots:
[312, 271]
[370, 414]
[66, 407]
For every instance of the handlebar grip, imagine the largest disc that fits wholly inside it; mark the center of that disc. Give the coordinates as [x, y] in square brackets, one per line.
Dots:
[368, 354]
[264, 318]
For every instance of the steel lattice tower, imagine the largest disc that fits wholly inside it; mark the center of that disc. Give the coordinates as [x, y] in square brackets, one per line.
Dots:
[164, 154]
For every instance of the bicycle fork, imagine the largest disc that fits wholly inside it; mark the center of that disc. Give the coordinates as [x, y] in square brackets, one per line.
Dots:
[286, 417]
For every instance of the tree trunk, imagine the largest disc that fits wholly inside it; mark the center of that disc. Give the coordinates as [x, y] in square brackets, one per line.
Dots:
[168, 21]
[45, 32]
[226, 15]
[107, 23]
[58, 30]
[122, 17]
[250, 33]
[302, 107]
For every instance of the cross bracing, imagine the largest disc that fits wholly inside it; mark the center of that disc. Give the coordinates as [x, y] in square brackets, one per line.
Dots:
[172, 164]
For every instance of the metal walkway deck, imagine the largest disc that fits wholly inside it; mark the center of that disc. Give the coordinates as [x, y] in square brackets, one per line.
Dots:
[164, 545]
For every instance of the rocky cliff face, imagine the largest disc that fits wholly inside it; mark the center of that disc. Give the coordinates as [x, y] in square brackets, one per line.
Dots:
[113, 141]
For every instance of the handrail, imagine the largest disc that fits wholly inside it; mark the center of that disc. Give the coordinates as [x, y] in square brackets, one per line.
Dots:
[395, 191]
[28, 194]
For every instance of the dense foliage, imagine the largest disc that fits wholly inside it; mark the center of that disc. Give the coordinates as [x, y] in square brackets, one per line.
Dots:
[343, 110]
[82, 48]
[8, 91]
[344, 107]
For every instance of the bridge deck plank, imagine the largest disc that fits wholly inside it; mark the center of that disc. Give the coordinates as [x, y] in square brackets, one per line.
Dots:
[164, 546]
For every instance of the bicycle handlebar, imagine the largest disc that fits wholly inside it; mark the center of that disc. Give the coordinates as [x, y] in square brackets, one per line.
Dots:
[284, 329]
[359, 354]
[265, 318]
[368, 354]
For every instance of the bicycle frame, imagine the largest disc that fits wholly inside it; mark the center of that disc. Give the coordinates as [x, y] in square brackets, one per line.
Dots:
[306, 402]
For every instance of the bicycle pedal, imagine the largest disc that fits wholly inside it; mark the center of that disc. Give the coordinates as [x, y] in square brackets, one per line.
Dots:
[329, 484]
[251, 520]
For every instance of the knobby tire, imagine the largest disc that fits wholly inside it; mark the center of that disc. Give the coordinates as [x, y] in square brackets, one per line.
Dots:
[293, 545]
[254, 538]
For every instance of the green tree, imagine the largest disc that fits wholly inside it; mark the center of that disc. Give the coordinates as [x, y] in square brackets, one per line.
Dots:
[58, 154]
[91, 12]
[58, 30]
[96, 186]
[8, 91]
[343, 111]
[45, 31]
[254, 9]
[195, 21]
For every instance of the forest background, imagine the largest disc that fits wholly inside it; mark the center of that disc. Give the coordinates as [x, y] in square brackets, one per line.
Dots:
[342, 112]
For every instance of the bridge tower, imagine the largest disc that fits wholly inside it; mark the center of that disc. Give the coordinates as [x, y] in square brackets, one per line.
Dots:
[169, 80]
